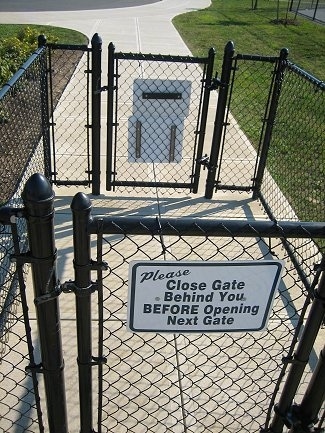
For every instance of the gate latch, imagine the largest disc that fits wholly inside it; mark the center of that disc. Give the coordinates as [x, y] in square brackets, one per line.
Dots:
[204, 160]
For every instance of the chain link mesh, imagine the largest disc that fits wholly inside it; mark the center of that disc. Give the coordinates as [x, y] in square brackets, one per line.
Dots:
[69, 113]
[296, 159]
[194, 382]
[243, 130]
[21, 125]
[19, 396]
[157, 110]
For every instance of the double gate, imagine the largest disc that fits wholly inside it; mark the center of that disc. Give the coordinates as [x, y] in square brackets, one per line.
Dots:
[158, 111]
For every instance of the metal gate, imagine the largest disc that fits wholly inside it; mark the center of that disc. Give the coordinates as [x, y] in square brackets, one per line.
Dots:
[156, 119]
[69, 114]
[157, 110]
[242, 137]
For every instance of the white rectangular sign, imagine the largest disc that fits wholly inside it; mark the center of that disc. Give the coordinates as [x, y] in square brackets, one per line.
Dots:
[201, 296]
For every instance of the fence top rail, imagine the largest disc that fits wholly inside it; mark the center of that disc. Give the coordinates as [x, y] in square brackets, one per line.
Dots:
[205, 227]
[21, 71]
[257, 58]
[68, 47]
[295, 68]
[160, 57]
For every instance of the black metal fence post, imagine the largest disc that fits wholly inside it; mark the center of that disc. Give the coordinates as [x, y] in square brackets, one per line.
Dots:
[81, 208]
[38, 199]
[270, 120]
[307, 340]
[306, 414]
[203, 120]
[96, 45]
[219, 119]
[45, 110]
[110, 114]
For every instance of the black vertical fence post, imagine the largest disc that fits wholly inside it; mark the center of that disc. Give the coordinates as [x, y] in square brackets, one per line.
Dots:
[270, 120]
[306, 414]
[301, 357]
[38, 198]
[203, 120]
[96, 45]
[81, 208]
[110, 114]
[45, 110]
[220, 118]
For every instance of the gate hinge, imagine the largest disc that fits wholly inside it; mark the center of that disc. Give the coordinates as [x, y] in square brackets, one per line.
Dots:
[204, 160]
[216, 83]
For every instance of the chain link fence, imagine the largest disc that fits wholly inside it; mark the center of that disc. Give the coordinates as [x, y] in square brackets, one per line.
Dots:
[314, 9]
[184, 382]
[23, 126]
[155, 121]
[69, 114]
[244, 127]
[19, 391]
[296, 158]
[195, 382]
[23, 102]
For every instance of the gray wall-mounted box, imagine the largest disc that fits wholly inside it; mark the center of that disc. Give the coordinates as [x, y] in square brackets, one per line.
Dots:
[156, 127]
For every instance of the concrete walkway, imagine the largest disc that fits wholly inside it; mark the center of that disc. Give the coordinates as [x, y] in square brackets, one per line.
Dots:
[145, 28]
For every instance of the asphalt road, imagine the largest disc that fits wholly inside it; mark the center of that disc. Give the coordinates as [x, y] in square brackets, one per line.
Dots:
[68, 5]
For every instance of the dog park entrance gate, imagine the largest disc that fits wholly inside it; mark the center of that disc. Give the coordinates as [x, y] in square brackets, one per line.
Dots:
[157, 108]
[156, 119]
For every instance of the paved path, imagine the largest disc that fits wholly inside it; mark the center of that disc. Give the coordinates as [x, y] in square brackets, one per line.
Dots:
[145, 27]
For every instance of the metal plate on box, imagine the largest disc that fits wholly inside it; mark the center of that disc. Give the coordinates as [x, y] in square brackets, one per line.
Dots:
[161, 95]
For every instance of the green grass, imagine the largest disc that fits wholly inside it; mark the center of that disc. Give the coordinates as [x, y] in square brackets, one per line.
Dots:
[60, 34]
[254, 32]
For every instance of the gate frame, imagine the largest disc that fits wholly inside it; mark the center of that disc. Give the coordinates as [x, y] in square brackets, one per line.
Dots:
[93, 105]
[112, 107]
[225, 84]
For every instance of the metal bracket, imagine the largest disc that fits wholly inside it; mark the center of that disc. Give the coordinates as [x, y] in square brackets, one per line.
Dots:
[293, 360]
[70, 287]
[95, 361]
[36, 368]
[8, 215]
[99, 360]
[216, 83]
[28, 258]
[205, 161]
[100, 90]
